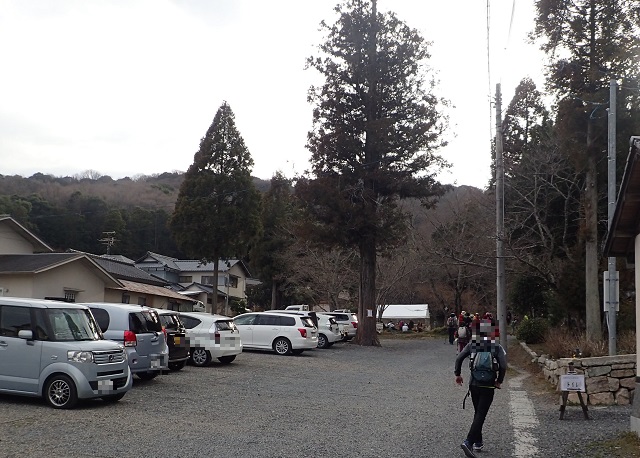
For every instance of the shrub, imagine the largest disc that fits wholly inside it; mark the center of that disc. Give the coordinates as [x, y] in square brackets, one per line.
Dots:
[532, 331]
[563, 343]
[440, 330]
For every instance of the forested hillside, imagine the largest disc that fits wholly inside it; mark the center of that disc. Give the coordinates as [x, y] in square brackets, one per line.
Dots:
[76, 212]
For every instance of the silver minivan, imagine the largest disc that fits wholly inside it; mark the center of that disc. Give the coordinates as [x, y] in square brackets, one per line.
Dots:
[55, 350]
[139, 329]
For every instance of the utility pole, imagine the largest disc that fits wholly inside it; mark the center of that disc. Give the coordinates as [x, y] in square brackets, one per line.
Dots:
[108, 239]
[500, 274]
[611, 282]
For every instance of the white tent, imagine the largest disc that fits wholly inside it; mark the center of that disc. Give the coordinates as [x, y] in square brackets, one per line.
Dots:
[416, 312]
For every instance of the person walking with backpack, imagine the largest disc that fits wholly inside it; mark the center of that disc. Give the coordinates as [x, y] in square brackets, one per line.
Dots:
[452, 325]
[488, 365]
[463, 333]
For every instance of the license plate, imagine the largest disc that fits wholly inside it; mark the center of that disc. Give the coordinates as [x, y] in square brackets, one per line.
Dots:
[176, 340]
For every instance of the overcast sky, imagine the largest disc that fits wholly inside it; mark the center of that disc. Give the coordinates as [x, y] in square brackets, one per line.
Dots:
[129, 87]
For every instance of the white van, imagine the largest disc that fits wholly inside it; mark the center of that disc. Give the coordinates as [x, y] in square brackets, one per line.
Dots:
[299, 307]
[55, 350]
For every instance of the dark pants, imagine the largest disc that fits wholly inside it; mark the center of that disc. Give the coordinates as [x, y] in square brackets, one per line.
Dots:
[482, 399]
[452, 332]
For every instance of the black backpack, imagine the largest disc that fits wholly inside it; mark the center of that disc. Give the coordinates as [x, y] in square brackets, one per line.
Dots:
[484, 366]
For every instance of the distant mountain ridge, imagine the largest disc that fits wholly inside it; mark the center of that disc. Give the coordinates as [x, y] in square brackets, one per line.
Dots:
[147, 191]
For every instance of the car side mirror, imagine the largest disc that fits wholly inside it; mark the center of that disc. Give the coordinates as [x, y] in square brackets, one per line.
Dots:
[26, 334]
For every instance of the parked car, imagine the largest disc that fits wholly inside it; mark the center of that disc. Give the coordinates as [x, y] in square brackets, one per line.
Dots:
[348, 321]
[138, 328]
[328, 329]
[176, 338]
[55, 350]
[211, 336]
[284, 333]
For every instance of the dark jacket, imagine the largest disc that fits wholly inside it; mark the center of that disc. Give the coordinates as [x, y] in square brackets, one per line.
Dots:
[495, 348]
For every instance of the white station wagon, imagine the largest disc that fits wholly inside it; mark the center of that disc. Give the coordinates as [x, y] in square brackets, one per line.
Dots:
[283, 333]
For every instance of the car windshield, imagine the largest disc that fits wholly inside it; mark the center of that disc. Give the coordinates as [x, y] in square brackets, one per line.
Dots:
[72, 324]
[226, 325]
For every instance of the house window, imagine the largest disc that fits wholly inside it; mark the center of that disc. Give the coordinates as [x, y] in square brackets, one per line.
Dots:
[126, 299]
[233, 282]
[207, 280]
[142, 301]
[185, 279]
[69, 296]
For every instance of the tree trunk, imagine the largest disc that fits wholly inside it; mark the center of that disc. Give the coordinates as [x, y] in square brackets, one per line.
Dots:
[274, 294]
[590, 196]
[367, 335]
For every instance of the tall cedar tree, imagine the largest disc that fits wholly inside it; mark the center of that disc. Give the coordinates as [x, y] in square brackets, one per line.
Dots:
[589, 42]
[542, 195]
[268, 254]
[375, 129]
[217, 212]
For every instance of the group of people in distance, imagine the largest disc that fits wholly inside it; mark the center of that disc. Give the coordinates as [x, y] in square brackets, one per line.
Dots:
[460, 327]
[477, 339]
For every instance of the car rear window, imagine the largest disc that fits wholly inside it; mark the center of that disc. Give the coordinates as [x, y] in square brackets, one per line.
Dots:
[225, 325]
[144, 321]
[189, 321]
[288, 320]
[307, 322]
[170, 322]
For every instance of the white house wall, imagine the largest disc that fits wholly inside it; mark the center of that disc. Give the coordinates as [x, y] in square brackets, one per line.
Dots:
[17, 285]
[52, 283]
[13, 243]
[72, 276]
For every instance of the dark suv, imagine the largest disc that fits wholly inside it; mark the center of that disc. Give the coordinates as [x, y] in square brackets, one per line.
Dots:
[176, 339]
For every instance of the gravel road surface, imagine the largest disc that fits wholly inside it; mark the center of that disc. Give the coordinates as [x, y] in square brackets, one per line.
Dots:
[399, 400]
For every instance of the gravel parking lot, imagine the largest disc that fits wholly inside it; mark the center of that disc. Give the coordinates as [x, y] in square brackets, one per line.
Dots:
[399, 400]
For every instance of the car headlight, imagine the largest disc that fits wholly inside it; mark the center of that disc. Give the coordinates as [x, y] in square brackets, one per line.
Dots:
[80, 356]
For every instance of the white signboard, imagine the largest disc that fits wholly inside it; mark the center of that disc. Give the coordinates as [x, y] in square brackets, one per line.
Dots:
[572, 382]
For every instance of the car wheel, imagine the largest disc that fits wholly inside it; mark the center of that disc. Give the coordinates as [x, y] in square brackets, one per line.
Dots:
[297, 352]
[227, 359]
[177, 366]
[113, 398]
[200, 357]
[282, 346]
[149, 375]
[322, 341]
[60, 392]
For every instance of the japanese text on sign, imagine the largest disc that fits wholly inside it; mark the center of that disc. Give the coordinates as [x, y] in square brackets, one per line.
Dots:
[572, 383]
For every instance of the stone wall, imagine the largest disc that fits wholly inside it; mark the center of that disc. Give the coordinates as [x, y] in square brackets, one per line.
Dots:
[608, 379]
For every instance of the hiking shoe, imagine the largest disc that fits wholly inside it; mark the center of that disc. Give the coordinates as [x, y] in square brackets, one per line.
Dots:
[477, 447]
[466, 448]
